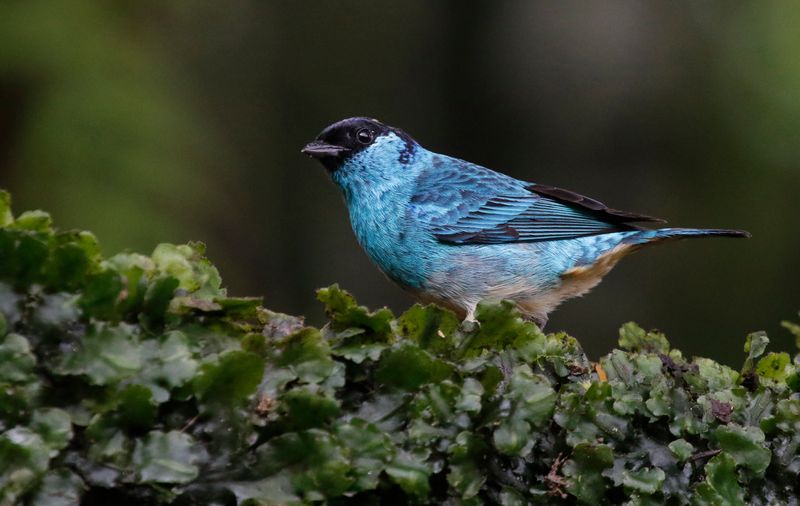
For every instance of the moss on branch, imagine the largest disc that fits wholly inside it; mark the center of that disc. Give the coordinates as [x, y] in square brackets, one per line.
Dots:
[136, 379]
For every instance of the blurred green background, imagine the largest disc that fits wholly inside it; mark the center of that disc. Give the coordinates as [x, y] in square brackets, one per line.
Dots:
[153, 121]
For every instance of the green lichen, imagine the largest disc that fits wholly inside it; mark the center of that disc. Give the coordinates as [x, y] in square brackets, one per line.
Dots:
[137, 379]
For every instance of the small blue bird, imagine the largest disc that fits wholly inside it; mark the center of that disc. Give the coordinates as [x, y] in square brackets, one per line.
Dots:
[455, 233]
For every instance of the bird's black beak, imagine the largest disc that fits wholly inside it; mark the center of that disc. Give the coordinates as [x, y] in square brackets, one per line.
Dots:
[321, 149]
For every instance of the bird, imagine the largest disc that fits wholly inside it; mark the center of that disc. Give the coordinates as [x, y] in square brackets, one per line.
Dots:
[454, 233]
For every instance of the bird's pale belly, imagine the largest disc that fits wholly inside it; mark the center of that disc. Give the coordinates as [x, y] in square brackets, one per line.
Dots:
[537, 276]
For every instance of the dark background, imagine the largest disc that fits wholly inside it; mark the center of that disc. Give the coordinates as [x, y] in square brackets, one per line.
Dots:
[151, 121]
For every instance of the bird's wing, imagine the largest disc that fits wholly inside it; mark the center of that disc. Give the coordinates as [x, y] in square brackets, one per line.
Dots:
[462, 203]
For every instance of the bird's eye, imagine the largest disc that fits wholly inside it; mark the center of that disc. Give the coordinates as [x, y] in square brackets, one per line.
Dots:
[364, 136]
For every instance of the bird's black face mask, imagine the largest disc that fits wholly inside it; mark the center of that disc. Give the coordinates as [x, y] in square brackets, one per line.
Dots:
[341, 140]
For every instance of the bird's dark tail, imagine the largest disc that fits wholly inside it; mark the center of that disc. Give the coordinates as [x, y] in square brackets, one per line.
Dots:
[668, 234]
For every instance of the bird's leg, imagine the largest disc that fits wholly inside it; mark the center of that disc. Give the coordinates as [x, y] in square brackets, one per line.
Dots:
[470, 315]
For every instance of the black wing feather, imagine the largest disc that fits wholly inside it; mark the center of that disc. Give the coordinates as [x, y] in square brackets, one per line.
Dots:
[602, 211]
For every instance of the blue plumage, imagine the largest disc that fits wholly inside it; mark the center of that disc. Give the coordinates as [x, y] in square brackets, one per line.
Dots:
[455, 233]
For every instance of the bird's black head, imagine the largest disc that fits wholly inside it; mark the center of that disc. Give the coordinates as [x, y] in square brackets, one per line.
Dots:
[343, 139]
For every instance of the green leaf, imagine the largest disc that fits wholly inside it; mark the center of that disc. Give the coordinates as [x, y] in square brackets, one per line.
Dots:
[711, 376]
[649, 367]
[60, 487]
[345, 313]
[54, 426]
[278, 325]
[619, 367]
[239, 307]
[21, 448]
[318, 462]
[787, 415]
[745, 445]
[501, 326]
[370, 451]
[35, 221]
[775, 368]
[646, 481]
[358, 352]
[106, 354]
[471, 394]
[532, 403]
[643, 500]
[431, 327]
[467, 474]
[135, 407]
[16, 359]
[585, 472]
[10, 305]
[634, 338]
[571, 413]
[56, 311]
[720, 486]
[511, 437]
[101, 294]
[134, 271]
[109, 447]
[30, 257]
[304, 409]
[6, 218]
[230, 379]
[682, 449]
[168, 363]
[411, 473]
[409, 368]
[532, 395]
[168, 457]
[76, 255]
[157, 299]
[23, 459]
[8, 246]
[275, 490]
[68, 267]
[306, 354]
[754, 346]
[187, 263]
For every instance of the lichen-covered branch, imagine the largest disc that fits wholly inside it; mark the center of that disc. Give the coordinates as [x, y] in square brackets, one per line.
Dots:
[137, 380]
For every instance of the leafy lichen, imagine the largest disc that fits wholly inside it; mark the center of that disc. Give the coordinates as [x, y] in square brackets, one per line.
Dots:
[138, 379]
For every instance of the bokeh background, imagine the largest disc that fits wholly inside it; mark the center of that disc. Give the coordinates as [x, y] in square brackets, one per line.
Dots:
[154, 121]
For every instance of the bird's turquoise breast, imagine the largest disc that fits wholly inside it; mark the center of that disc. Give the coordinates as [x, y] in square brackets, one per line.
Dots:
[378, 204]
[397, 246]
[387, 246]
